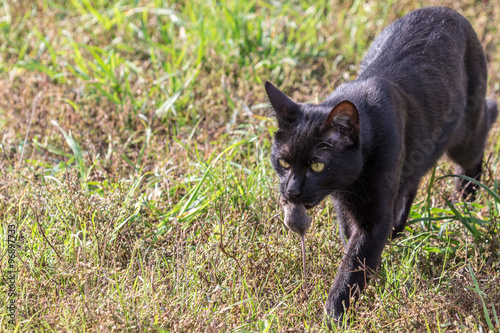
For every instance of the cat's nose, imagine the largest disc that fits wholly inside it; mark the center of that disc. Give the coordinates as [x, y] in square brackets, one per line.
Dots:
[293, 189]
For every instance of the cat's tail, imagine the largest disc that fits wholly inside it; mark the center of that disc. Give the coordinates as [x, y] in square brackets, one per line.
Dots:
[491, 111]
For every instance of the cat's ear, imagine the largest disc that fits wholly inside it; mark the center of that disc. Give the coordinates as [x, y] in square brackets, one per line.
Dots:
[286, 110]
[344, 119]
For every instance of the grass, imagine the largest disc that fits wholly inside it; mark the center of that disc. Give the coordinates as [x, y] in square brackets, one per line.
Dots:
[135, 140]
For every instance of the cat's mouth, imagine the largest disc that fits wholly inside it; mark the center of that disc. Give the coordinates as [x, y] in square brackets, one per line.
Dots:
[308, 201]
[309, 205]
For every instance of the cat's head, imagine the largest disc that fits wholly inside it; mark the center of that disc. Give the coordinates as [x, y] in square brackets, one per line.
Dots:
[316, 149]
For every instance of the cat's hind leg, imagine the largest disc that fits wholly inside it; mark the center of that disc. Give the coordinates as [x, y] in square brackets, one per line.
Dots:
[468, 155]
[463, 187]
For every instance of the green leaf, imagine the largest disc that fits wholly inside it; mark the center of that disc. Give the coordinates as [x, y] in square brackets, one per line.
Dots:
[77, 152]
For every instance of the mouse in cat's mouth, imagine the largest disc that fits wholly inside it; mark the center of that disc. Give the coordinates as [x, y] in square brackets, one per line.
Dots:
[297, 220]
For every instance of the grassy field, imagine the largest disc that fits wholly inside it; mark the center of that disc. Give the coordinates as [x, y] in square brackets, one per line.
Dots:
[134, 169]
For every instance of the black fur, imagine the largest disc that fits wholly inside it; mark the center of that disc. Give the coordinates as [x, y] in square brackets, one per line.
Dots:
[420, 93]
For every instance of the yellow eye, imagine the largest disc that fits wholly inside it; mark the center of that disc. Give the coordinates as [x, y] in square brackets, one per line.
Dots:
[284, 164]
[317, 167]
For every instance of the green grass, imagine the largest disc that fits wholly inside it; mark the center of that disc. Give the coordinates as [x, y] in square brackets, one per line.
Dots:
[134, 164]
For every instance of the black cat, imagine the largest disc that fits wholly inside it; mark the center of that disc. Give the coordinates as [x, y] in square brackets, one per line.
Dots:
[420, 92]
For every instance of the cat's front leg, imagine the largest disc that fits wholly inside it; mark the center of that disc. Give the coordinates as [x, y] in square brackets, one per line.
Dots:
[363, 253]
[344, 221]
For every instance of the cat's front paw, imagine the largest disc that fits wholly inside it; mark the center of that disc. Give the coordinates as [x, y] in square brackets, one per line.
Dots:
[335, 317]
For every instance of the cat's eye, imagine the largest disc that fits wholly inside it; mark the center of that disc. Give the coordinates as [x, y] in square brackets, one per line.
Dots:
[317, 167]
[284, 163]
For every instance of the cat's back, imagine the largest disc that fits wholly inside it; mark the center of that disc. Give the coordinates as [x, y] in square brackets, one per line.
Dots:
[425, 39]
